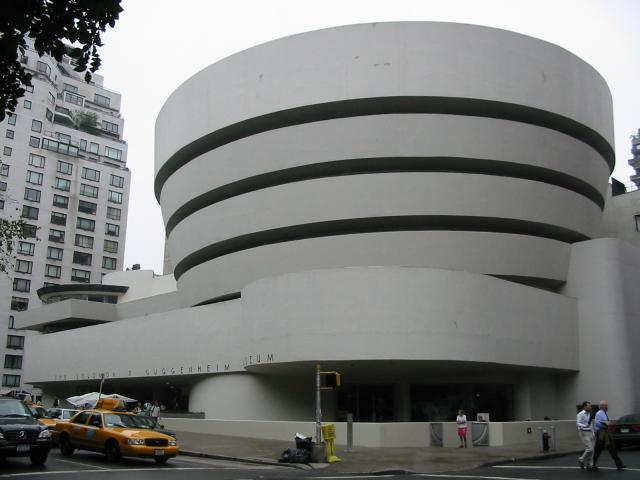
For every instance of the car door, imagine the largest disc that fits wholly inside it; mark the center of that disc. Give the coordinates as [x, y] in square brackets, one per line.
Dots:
[94, 432]
[78, 429]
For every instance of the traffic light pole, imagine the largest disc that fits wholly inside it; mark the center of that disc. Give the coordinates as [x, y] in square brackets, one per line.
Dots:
[318, 408]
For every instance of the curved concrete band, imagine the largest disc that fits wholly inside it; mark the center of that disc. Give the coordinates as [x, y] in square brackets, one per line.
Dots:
[350, 137]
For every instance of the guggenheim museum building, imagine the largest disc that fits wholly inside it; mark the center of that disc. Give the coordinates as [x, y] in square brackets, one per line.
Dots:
[420, 206]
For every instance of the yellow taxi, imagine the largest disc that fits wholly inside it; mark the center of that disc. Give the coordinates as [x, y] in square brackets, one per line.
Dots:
[114, 432]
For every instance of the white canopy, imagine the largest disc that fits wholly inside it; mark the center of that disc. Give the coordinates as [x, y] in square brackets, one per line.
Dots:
[92, 399]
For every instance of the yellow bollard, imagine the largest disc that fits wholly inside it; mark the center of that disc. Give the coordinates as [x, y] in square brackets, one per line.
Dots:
[329, 435]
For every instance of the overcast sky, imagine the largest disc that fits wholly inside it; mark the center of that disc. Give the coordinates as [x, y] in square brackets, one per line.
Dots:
[156, 45]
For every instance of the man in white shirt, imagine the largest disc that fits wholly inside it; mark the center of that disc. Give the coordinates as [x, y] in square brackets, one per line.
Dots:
[585, 431]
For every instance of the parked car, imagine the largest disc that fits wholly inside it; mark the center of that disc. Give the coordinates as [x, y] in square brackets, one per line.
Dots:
[52, 417]
[21, 435]
[115, 433]
[626, 430]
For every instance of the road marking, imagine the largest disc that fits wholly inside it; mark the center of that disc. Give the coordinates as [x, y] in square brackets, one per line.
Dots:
[559, 467]
[82, 464]
[105, 470]
[484, 477]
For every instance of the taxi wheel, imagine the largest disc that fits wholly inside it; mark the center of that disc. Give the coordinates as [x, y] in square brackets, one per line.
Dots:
[112, 451]
[66, 449]
[161, 460]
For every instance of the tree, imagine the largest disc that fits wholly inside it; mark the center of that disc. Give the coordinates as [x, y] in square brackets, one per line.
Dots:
[53, 24]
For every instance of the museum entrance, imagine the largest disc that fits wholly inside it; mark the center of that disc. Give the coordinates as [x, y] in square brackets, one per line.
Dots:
[440, 403]
[368, 403]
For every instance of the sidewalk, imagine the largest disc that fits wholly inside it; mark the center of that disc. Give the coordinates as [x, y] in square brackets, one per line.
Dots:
[363, 459]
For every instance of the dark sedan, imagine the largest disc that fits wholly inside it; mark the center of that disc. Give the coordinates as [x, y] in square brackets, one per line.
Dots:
[626, 430]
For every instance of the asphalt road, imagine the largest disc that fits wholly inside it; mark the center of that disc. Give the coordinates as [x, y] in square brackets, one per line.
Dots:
[93, 466]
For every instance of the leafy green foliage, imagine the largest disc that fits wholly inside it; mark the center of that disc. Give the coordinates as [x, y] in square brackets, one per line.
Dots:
[50, 23]
[86, 121]
[10, 231]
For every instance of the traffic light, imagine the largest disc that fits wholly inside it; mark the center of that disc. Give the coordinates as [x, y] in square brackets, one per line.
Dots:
[331, 380]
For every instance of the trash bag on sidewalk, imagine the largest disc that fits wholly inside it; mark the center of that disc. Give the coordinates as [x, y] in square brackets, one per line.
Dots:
[295, 455]
[303, 443]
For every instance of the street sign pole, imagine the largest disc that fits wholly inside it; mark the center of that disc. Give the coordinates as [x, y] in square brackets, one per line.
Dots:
[318, 408]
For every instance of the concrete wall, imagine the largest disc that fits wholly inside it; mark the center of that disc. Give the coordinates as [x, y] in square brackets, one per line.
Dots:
[603, 276]
[619, 217]
[416, 434]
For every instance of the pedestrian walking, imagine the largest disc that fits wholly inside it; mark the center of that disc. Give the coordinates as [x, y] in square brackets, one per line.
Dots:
[585, 431]
[603, 437]
[155, 411]
[461, 420]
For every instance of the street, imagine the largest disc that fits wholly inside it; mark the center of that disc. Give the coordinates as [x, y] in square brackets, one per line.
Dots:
[87, 465]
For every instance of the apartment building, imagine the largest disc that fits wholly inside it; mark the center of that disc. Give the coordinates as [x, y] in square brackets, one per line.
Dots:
[63, 170]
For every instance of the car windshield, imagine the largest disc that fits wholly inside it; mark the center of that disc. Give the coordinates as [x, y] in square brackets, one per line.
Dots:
[13, 408]
[119, 420]
[145, 422]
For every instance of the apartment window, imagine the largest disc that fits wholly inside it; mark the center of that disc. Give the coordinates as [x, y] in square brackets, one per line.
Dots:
[62, 184]
[29, 88]
[10, 380]
[115, 197]
[56, 235]
[113, 153]
[12, 322]
[60, 201]
[30, 230]
[49, 284]
[86, 224]
[31, 194]
[3, 186]
[59, 218]
[94, 148]
[24, 266]
[21, 285]
[110, 246]
[65, 168]
[30, 212]
[7, 151]
[54, 253]
[59, 147]
[637, 219]
[82, 258]
[52, 271]
[69, 88]
[114, 213]
[4, 170]
[26, 248]
[88, 190]
[80, 275]
[52, 101]
[36, 160]
[87, 207]
[34, 177]
[36, 126]
[19, 304]
[9, 133]
[109, 263]
[73, 98]
[15, 341]
[90, 174]
[1, 204]
[110, 127]
[43, 68]
[49, 115]
[111, 229]
[83, 145]
[13, 362]
[84, 241]
[117, 181]
[101, 100]
[27, 104]
[34, 142]
[63, 138]
[11, 118]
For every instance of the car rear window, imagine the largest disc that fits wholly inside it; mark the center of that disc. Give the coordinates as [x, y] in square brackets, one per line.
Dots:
[635, 418]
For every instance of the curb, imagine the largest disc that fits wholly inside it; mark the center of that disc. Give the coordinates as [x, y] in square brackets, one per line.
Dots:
[257, 461]
[541, 456]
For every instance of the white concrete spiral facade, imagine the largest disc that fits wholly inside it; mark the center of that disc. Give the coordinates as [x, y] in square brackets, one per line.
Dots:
[411, 144]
